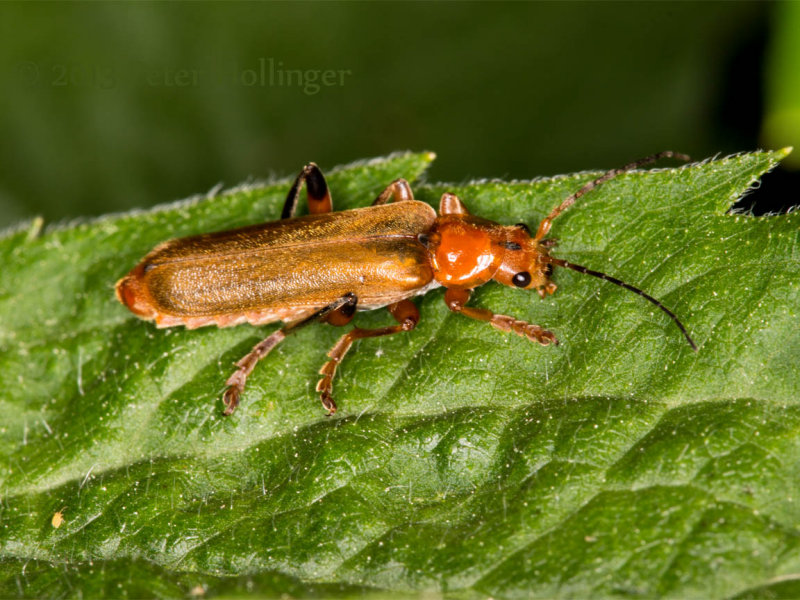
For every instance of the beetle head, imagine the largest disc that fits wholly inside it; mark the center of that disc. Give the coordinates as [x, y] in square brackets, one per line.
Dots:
[525, 262]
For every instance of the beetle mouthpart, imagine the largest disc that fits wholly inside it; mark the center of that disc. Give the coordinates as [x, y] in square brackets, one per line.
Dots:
[547, 289]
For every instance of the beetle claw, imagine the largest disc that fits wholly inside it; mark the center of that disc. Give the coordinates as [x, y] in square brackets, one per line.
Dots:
[231, 400]
[328, 403]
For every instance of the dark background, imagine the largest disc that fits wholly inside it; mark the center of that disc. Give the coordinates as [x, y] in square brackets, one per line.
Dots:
[106, 107]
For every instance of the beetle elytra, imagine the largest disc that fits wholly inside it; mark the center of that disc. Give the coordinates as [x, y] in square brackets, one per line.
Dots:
[326, 265]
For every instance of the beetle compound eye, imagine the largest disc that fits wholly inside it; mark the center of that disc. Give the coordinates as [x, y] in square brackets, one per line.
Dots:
[521, 279]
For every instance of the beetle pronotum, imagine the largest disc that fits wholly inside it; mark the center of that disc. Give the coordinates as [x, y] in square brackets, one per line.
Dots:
[326, 265]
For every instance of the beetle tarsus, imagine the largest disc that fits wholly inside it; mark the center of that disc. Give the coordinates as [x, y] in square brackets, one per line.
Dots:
[524, 329]
[328, 403]
[231, 400]
[328, 370]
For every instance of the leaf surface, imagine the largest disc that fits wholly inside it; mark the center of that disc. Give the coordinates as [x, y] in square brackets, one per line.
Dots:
[462, 460]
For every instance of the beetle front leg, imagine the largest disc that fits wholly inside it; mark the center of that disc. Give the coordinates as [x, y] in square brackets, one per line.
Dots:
[456, 300]
[404, 312]
[397, 191]
[317, 192]
[236, 382]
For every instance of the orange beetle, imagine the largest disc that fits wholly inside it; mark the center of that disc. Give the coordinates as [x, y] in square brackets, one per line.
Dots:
[326, 265]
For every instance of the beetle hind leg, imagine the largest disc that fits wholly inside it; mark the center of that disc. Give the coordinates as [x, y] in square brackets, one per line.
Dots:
[317, 192]
[404, 312]
[246, 364]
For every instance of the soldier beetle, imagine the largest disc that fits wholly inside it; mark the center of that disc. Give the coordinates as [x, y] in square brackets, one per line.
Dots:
[326, 265]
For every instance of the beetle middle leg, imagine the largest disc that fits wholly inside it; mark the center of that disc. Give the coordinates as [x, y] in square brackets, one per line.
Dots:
[404, 312]
[397, 191]
[456, 300]
[236, 382]
[317, 192]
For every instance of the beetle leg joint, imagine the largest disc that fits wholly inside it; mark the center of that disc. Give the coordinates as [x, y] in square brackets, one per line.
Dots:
[409, 324]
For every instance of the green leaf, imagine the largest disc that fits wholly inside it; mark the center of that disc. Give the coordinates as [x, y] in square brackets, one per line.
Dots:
[462, 460]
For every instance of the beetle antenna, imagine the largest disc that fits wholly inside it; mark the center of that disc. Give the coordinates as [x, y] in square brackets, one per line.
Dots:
[544, 226]
[627, 286]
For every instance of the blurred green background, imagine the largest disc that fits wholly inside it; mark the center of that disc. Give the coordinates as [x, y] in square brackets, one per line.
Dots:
[106, 107]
